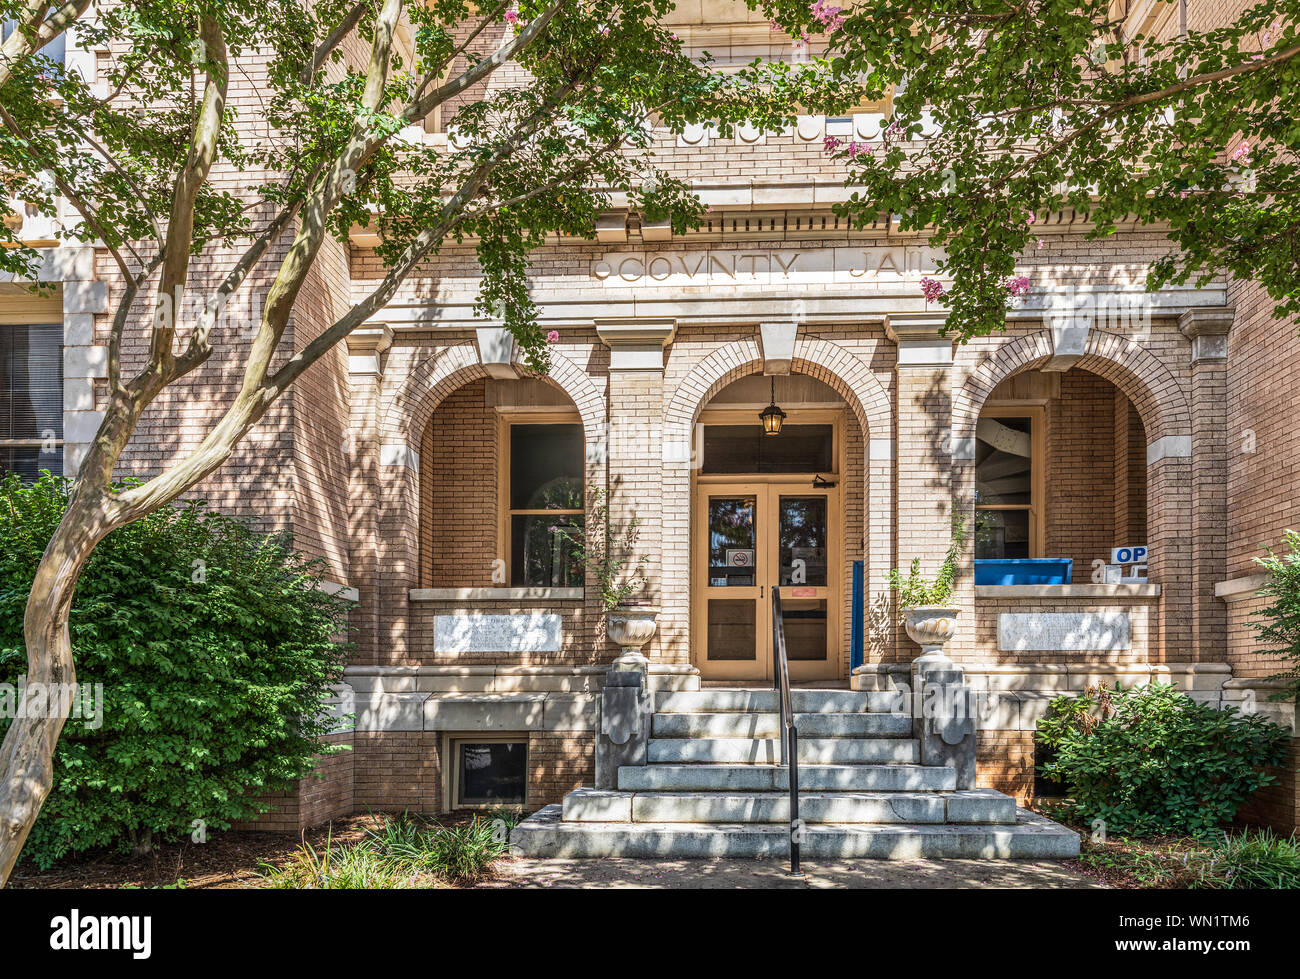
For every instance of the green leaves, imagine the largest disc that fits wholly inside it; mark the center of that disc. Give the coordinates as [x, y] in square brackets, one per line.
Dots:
[215, 651]
[1278, 624]
[1152, 760]
[1035, 108]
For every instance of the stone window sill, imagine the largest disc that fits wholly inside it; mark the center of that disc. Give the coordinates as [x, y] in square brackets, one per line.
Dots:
[1048, 592]
[529, 595]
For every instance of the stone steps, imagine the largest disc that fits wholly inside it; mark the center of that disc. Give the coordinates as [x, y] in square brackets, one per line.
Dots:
[971, 806]
[721, 699]
[738, 724]
[713, 788]
[767, 778]
[768, 751]
[1031, 837]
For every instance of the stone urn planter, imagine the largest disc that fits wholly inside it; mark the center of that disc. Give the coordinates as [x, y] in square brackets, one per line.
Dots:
[630, 627]
[930, 627]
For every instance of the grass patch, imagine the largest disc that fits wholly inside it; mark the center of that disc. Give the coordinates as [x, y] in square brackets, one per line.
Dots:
[402, 852]
[1230, 860]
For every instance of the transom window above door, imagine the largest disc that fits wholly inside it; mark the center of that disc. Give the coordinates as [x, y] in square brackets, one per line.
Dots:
[545, 493]
[741, 449]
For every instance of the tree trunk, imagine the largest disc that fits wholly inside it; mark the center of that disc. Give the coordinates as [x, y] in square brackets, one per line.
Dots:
[27, 755]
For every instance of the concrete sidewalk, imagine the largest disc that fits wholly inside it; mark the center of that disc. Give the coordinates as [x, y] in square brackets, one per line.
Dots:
[729, 874]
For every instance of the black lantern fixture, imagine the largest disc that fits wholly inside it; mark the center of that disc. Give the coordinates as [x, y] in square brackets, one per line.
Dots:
[772, 417]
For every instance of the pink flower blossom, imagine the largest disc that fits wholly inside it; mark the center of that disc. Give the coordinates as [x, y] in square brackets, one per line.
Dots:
[553, 336]
[831, 144]
[831, 18]
[932, 289]
[1041, 244]
[856, 149]
[512, 17]
[1242, 153]
[1030, 217]
[1017, 285]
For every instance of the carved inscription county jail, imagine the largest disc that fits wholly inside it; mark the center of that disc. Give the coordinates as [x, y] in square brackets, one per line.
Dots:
[762, 266]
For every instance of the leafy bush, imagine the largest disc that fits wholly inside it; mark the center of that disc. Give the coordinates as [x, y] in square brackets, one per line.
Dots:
[215, 649]
[1278, 625]
[1152, 760]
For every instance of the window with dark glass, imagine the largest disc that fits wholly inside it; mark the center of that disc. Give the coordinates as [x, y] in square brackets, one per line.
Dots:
[546, 497]
[31, 402]
[740, 449]
[1004, 488]
[490, 773]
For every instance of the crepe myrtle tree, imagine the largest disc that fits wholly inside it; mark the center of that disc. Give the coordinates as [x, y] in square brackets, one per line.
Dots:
[1006, 110]
[157, 168]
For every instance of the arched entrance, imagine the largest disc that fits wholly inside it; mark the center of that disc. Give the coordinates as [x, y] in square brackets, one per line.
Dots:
[769, 510]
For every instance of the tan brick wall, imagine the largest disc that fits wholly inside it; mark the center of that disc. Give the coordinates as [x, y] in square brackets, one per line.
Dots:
[317, 798]
[459, 492]
[1079, 519]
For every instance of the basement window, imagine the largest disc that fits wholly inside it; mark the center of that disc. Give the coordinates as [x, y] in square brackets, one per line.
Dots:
[489, 771]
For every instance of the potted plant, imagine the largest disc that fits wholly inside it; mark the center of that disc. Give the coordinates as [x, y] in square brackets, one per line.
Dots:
[928, 617]
[619, 573]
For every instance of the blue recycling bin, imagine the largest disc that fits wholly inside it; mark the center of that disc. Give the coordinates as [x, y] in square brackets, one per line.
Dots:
[1024, 571]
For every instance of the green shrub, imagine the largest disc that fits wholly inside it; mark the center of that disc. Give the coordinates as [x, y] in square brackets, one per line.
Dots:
[1278, 625]
[1152, 760]
[215, 649]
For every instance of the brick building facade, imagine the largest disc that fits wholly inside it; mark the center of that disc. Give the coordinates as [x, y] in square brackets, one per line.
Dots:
[1103, 416]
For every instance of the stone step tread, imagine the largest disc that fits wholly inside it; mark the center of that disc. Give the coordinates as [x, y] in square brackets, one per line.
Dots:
[970, 806]
[812, 777]
[768, 750]
[723, 700]
[1031, 837]
[735, 724]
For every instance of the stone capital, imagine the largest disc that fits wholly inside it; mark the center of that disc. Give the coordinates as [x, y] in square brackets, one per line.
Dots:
[636, 344]
[1207, 328]
[366, 346]
[920, 339]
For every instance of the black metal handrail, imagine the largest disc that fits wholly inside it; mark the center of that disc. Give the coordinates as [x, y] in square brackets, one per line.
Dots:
[789, 731]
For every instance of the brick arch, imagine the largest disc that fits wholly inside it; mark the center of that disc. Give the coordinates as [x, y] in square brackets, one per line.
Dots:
[1144, 378]
[839, 369]
[407, 410]
[1161, 402]
[832, 365]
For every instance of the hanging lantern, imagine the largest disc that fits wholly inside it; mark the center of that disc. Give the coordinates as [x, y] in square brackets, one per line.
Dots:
[772, 417]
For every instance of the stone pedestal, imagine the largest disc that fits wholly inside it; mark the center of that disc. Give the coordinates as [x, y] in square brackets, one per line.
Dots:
[947, 729]
[623, 725]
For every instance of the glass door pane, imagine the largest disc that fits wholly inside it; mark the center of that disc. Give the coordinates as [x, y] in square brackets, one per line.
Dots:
[802, 526]
[732, 562]
[803, 549]
[733, 541]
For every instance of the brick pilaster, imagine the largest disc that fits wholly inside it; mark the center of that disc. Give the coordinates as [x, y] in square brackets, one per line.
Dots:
[1208, 396]
[924, 463]
[634, 442]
